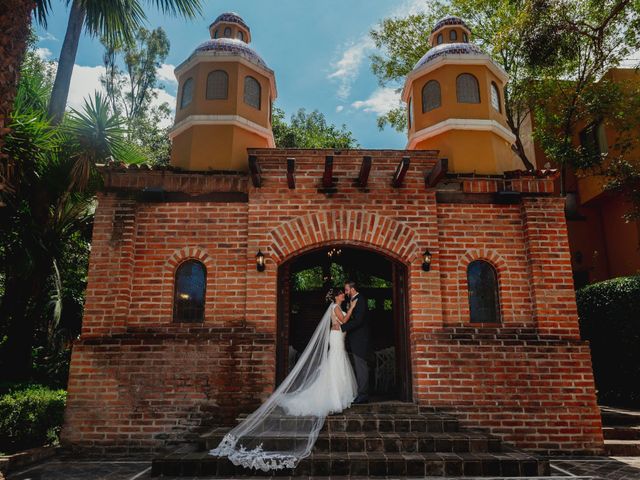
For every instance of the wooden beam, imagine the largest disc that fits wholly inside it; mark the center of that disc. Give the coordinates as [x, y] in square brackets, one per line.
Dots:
[255, 171]
[436, 174]
[363, 176]
[327, 176]
[291, 167]
[401, 172]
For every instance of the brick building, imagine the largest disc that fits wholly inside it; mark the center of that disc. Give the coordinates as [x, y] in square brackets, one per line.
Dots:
[189, 316]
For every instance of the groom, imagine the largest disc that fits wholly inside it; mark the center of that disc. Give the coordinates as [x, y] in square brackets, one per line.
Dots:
[359, 337]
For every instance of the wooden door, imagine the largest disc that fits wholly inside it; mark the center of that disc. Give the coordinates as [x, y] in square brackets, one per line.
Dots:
[400, 319]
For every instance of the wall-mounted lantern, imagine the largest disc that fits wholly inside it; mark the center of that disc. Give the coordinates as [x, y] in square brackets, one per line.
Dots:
[260, 265]
[426, 260]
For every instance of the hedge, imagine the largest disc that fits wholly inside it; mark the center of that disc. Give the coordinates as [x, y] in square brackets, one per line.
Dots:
[30, 416]
[610, 320]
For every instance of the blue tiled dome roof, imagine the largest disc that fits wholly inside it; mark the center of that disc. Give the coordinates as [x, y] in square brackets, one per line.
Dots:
[449, 20]
[232, 46]
[230, 17]
[448, 49]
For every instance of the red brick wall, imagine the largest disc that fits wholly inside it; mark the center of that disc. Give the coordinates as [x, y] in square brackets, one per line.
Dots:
[137, 379]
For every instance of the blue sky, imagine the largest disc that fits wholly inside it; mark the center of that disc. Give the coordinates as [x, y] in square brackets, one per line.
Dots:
[318, 49]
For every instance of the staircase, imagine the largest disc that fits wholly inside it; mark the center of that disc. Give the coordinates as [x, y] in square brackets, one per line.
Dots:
[376, 440]
[621, 431]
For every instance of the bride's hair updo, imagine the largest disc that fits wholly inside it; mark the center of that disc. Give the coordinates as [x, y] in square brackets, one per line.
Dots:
[332, 294]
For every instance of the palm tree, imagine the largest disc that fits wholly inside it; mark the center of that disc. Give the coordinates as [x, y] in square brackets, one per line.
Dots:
[54, 184]
[114, 20]
[14, 32]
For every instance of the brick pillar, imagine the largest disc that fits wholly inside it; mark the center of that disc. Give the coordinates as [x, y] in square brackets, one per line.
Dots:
[547, 248]
[110, 267]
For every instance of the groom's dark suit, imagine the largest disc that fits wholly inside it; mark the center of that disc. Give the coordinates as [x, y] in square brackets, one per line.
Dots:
[359, 338]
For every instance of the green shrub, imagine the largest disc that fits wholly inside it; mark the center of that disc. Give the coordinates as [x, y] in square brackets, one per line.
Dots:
[30, 416]
[610, 320]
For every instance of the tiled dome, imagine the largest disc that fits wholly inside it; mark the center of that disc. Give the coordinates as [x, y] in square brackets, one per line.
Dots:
[231, 46]
[449, 20]
[230, 17]
[448, 49]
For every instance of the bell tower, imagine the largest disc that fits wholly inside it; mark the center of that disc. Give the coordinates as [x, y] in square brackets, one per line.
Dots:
[455, 103]
[225, 95]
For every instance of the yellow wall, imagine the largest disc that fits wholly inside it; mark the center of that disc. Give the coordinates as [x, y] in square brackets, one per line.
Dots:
[450, 108]
[471, 151]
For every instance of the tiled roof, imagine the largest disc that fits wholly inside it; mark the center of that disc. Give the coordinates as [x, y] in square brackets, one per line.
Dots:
[230, 17]
[232, 46]
[449, 49]
[449, 20]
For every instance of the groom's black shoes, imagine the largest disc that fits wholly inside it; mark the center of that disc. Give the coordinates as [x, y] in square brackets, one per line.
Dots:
[360, 399]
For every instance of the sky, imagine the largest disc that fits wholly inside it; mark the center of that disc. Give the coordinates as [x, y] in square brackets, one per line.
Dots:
[319, 50]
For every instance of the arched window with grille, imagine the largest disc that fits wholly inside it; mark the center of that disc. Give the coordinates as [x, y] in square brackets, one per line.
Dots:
[187, 93]
[453, 35]
[495, 97]
[431, 97]
[227, 32]
[252, 92]
[467, 89]
[439, 39]
[240, 35]
[217, 85]
[189, 292]
[482, 282]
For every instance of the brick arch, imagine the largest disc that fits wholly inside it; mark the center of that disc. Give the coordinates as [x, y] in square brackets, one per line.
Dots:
[171, 265]
[502, 271]
[342, 226]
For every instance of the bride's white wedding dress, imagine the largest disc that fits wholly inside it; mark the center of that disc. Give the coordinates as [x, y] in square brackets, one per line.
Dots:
[283, 430]
[335, 387]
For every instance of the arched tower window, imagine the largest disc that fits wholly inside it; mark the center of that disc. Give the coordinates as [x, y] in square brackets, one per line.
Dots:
[453, 35]
[465, 37]
[495, 97]
[227, 32]
[217, 85]
[215, 34]
[431, 96]
[252, 92]
[482, 282]
[410, 111]
[189, 291]
[439, 39]
[187, 93]
[467, 89]
[240, 35]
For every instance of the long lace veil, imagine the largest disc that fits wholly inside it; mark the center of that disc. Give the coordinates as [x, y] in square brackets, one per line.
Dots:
[272, 438]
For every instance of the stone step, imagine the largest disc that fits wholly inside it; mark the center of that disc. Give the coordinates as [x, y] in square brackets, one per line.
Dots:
[382, 422]
[388, 442]
[621, 433]
[507, 464]
[622, 448]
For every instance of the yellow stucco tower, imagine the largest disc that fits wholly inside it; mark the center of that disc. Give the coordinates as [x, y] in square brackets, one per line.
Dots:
[455, 104]
[225, 94]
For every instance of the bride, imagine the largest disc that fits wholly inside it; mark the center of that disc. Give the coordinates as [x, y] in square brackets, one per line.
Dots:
[285, 427]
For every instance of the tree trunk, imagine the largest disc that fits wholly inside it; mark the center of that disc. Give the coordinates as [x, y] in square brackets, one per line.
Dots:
[14, 32]
[60, 92]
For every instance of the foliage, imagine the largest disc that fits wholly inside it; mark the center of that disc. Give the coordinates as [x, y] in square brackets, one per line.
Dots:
[610, 320]
[46, 223]
[309, 130]
[30, 416]
[132, 90]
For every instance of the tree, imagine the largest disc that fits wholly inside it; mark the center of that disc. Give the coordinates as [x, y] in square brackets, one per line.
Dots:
[14, 35]
[131, 91]
[572, 47]
[309, 130]
[116, 21]
[54, 183]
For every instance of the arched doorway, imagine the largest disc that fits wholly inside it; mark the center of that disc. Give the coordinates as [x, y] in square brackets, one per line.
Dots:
[302, 285]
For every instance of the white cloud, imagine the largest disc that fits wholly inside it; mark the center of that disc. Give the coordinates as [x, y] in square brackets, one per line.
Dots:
[381, 101]
[346, 70]
[46, 36]
[339, 108]
[44, 53]
[165, 73]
